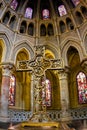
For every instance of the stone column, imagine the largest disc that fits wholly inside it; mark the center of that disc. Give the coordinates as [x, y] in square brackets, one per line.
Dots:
[64, 93]
[3, 12]
[5, 92]
[37, 24]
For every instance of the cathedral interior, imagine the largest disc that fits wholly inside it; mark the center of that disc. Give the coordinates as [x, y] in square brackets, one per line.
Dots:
[43, 62]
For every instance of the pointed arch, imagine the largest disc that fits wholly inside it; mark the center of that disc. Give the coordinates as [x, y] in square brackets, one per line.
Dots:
[62, 26]
[49, 54]
[55, 51]
[79, 17]
[6, 45]
[22, 45]
[74, 44]
[73, 57]
[42, 30]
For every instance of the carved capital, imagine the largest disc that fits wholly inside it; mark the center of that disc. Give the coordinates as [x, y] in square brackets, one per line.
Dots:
[62, 74]
[84, 65]
[7, 68]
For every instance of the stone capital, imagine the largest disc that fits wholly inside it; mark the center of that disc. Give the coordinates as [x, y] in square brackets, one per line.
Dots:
[84, 64]
[63, 73]
[7, 68]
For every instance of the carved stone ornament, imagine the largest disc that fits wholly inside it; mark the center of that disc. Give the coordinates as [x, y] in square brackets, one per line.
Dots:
[6, 69]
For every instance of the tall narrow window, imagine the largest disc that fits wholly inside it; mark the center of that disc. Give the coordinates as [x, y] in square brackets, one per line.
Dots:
[76, 2]
[82, 87]
[28, 13]
[42, 30]
[45, 14]
[46, 94]
[50, 30]
[62, 10]
[12, 90]
[6, 17]
[14, 4]
[31, 29]
[12, 21]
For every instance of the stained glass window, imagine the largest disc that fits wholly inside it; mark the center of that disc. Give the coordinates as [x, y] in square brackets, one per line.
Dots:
[46, 93]
[45, 14]
[62, 10]
[14, 4]
[12, 91]
[76, 2]
[28, 13]
[82, 87]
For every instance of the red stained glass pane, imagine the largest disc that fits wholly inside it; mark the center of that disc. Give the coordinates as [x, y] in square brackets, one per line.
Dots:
[82, 87]
[12, 91]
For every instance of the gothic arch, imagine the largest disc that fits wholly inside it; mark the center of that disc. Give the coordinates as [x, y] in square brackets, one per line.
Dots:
[20, 46]
[50, 46]
[6, 45]
[75, 45]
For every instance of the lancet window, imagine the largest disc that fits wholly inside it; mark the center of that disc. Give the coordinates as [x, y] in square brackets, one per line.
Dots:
[12, 91]
[82, 87]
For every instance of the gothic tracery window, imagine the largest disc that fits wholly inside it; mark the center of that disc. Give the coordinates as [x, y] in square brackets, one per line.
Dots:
[12, 90]
[82, 87]
[62, 10]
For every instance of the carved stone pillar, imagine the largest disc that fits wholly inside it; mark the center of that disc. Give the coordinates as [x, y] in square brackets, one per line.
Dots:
[6, 71]
[64, 93]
